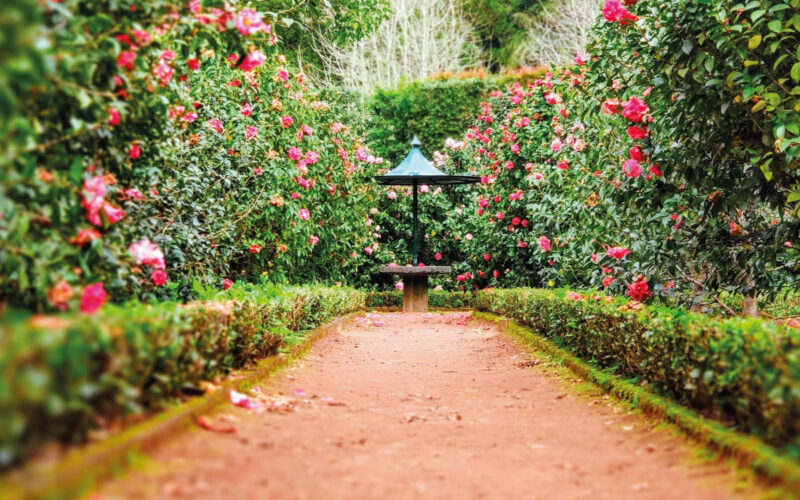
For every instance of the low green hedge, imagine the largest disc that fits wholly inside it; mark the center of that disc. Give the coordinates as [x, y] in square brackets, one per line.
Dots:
[744, 372]
[64, 376]
[445, 300]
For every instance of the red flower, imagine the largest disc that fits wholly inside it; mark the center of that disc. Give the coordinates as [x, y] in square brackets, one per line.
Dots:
[607, 281]
[636, 153]
[135, 151]
[125, 59]
[637, 132]
[93, 298]
[227, 284]
[193, 63]
[639, 291]
[84, 236]
[656, 171]
[544, 243]
[113, 116]
[487, 257]
[159, 277]
[610, 107]
[437, 256]
[255, 248]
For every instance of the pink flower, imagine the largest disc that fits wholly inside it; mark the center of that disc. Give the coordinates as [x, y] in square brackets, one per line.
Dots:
[282, 75]
[368, 250]
[159, 277]
[246, 109]
[562, 165]
[215, 124]
[163, 72]
[556, 144]
[113, 213]
[251, 132]
[437, 256]
[313, 240]
[398, 285]
[632, 168]
[544, 243]
[499, 215]
[581, 58]
[618, 253]
[113, 116]
[391, 195]
[227, 284]
[306, 130]
[613, 11]
[125, 59]
[193, 63]
[637, 132]
[311, 157]
[304, 214]
[286, 121]
[93, 298]
[294, 153]
[258, 171]
[253, 61]
[147, 253]
[635, 109]
[787, 244]
[248, 22]
[607, 281]
[189, 117]
[487, 257]
[135, 151]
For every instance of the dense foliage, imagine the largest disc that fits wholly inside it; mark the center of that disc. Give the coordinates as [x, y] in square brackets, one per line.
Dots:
[741, 371]
[629, 172]
[65, 376]
[147, 143]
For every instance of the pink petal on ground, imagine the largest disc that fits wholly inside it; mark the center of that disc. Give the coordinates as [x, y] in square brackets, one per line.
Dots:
[299, 393]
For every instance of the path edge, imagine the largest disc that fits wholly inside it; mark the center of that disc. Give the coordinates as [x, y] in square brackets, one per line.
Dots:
[748, 451]
[74, 474]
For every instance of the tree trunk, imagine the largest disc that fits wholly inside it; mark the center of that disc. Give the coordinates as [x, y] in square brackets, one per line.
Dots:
[750, 307]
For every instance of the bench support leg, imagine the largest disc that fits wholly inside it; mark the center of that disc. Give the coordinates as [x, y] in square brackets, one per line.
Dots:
[415, 294]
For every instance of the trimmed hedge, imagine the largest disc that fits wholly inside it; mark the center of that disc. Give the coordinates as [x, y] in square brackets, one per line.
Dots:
[446, 300]
[744, 372]
[64, 376]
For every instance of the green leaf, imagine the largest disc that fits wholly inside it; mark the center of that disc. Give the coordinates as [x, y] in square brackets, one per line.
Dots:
[687, 46]
[793, 196]
[774, 25]
[767, 172]
[76, 170]
[795, 73]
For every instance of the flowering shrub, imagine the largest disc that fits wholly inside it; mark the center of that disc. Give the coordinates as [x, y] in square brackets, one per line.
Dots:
[158, 123]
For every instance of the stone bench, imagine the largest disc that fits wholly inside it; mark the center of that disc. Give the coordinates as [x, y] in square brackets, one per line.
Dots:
[415, 284]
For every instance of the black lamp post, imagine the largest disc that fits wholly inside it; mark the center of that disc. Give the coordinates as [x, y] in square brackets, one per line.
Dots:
[413, 171]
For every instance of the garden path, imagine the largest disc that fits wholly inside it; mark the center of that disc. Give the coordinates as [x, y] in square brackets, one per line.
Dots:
[426, 406]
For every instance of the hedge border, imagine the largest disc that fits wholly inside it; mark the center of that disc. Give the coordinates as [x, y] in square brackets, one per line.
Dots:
[80, 469]
[748, 451]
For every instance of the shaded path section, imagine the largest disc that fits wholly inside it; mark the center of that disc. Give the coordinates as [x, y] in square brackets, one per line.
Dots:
[425, 406]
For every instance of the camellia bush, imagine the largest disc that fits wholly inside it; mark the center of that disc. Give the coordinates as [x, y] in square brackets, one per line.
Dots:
[624, 172]
[147, 144]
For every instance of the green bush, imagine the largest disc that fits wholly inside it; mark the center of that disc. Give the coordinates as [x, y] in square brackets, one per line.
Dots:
[66, 375]
[431, 109]
[744, 372]
[447, 300]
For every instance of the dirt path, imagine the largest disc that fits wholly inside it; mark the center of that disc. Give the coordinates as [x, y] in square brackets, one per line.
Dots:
[426, 406]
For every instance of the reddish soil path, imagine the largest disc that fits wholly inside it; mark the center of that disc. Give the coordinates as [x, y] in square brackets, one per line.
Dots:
[427, 406]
